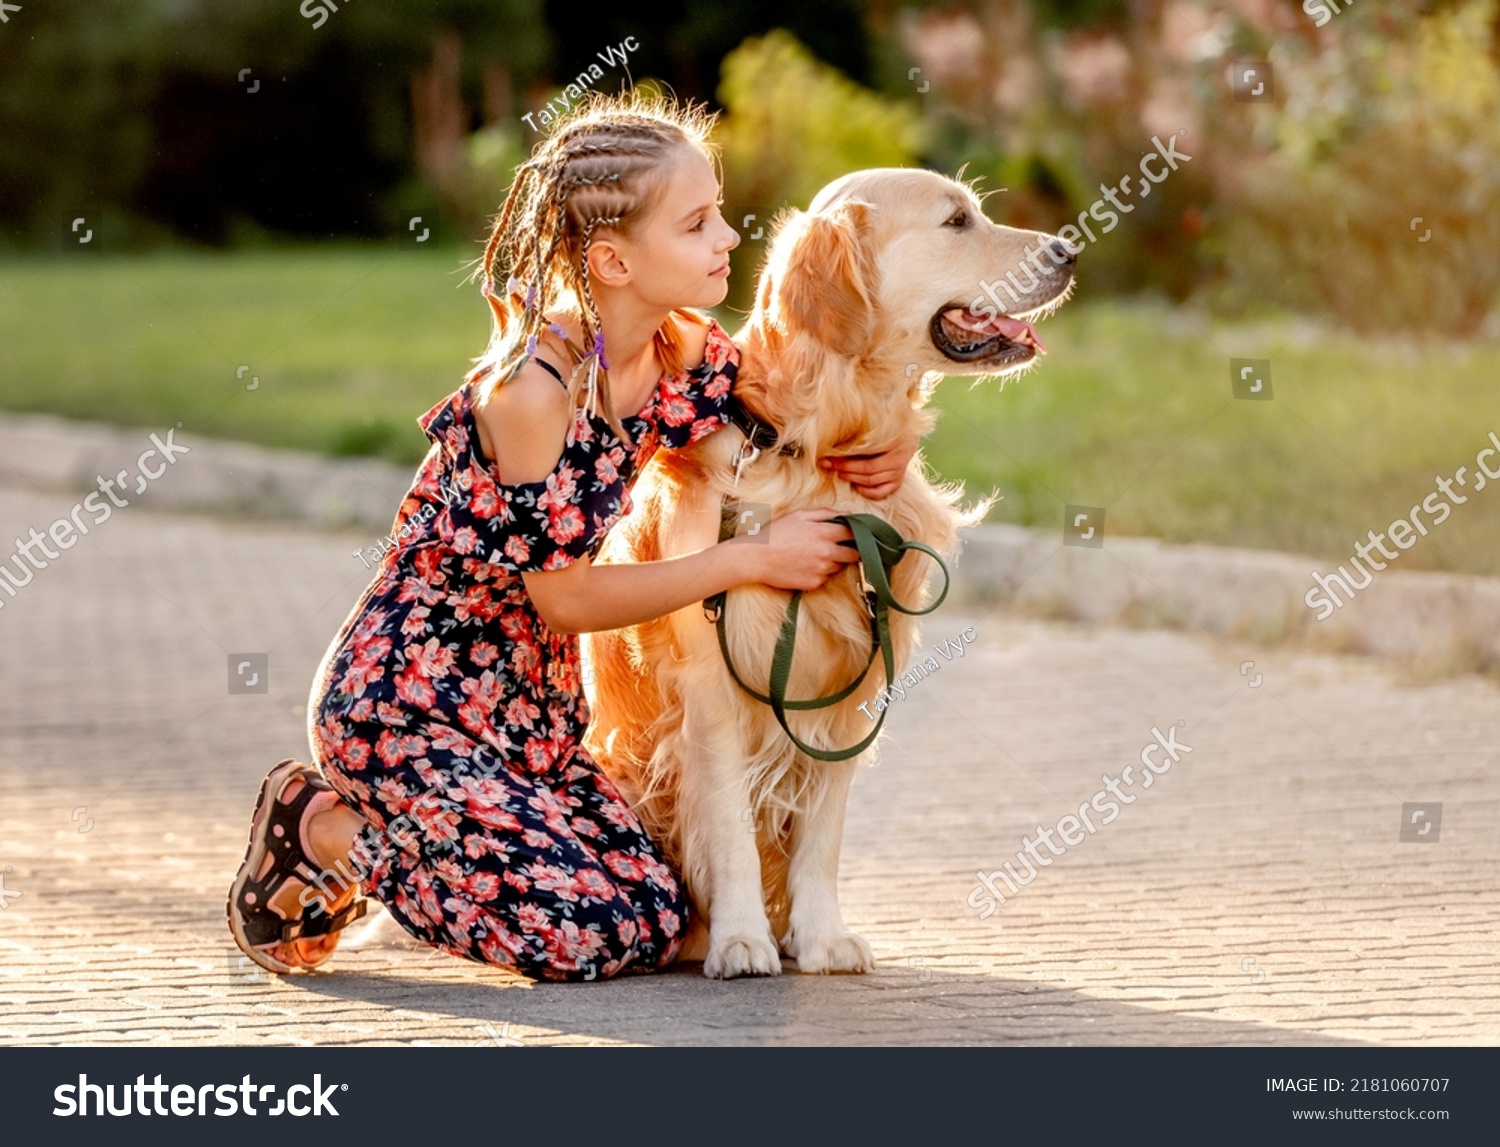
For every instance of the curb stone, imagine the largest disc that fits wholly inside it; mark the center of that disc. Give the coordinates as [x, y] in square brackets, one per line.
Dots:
[1446, 622]
[223, 478]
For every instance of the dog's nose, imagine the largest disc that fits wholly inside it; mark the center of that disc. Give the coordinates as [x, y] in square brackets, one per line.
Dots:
[1063, 251]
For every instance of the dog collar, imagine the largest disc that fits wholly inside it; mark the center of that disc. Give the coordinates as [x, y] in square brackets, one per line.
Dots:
[761, 435]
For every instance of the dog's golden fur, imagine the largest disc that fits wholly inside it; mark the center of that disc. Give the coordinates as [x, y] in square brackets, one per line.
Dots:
[833, 355]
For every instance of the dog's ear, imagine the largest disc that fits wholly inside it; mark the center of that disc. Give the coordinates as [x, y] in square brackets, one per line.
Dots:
[824, 284]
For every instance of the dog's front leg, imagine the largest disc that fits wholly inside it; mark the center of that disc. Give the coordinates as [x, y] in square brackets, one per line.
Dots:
[719, 850]
[817, 937]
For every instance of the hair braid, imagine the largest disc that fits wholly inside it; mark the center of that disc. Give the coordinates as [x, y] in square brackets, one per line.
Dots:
[603, 167]
[497, 234]
[593, 325]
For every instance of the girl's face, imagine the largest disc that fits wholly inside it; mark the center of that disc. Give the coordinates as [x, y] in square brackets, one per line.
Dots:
[680, 255]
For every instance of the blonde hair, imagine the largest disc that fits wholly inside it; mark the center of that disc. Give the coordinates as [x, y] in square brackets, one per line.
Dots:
[602, 169]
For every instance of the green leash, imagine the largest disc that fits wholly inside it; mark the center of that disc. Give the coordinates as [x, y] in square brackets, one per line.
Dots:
[880, 548]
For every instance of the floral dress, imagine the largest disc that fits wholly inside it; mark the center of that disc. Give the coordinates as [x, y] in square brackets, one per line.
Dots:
[450, 716]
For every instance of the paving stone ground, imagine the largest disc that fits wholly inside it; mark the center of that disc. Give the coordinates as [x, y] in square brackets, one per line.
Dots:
[1257, 893]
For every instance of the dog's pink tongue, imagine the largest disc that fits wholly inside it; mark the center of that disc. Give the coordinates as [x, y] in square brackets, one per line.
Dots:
[1018, 330]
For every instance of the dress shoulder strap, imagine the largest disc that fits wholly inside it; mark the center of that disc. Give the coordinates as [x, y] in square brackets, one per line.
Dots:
[550, 369]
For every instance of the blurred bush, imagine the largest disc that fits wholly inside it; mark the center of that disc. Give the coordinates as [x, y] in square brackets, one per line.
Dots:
[1048, 102]
[1380, 201]
[793, 124]
[1379, 116]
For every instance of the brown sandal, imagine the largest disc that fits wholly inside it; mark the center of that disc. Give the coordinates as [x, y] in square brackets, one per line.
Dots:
[276, 830]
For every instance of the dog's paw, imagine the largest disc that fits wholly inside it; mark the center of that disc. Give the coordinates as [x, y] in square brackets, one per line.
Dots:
[741, 955]
[840, 952]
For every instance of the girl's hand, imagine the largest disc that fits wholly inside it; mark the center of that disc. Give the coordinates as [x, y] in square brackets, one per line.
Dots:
[802, 550]
[875, 476]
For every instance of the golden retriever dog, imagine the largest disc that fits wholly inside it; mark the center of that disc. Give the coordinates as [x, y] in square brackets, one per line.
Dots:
[876, 286]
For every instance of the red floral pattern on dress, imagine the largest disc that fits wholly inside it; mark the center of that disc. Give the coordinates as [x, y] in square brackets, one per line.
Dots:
[451, 716]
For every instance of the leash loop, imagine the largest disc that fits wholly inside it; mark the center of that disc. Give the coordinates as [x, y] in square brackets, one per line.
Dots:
[880, 547]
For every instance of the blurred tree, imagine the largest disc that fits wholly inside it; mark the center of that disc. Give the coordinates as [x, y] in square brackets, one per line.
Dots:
[73, 133]
[136, 111]
[683, 41]
[133, 112]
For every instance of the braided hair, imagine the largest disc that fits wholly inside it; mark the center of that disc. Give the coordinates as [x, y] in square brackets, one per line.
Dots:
[601, 169]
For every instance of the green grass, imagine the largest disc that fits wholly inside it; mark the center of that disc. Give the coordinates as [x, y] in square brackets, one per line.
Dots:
[350, 346]
[1131, 411]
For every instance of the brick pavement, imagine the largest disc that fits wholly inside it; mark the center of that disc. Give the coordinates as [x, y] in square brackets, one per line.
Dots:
[1256, 894]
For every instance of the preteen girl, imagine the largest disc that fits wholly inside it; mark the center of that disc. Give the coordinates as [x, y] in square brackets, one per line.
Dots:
[447, 716]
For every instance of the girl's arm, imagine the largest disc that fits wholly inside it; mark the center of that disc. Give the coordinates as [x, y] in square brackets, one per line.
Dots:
[799, 551]
[523, 425]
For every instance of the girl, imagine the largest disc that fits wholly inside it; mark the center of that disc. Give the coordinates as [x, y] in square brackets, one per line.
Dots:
[447, 716]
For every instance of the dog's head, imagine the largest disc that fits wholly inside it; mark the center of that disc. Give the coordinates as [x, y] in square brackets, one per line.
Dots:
[901, 267]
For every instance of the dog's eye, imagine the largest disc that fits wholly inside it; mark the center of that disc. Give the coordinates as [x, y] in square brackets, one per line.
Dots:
[958, 219]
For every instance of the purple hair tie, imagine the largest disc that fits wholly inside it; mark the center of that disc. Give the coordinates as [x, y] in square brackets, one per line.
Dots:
[599, 349]
[531, 344]
[488, 290]
[557, 330]
[530, 297]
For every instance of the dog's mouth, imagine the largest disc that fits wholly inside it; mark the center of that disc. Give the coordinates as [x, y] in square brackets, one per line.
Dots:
[999, 340]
